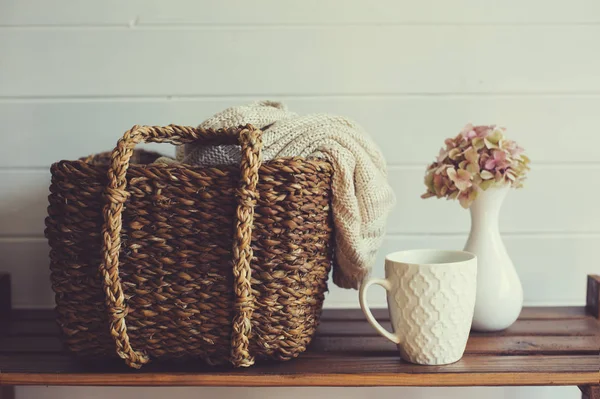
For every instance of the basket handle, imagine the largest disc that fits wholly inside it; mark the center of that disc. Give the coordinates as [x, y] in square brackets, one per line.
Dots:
[249, 138]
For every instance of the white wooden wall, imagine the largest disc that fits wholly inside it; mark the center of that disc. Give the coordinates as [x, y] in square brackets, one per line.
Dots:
[75, 74]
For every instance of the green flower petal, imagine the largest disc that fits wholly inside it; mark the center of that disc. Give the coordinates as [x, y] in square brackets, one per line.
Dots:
[486, 184]
[495, 137]
[486, 175]
[478, 143]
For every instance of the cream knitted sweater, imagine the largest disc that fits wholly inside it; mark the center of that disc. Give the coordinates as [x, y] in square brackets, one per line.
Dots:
[362, 197]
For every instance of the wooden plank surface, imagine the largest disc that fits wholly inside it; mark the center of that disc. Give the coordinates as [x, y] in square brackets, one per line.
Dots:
[308, 12]
[58, 62]
[353, 346]
[575, 327]
[547, 346]
[304, 371]
[528, 313]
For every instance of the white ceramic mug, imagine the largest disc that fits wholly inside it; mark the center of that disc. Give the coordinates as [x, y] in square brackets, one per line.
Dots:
[431, 298]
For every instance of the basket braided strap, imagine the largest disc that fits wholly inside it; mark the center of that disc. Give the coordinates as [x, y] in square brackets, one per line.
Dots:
[242, 249]
[116, 195]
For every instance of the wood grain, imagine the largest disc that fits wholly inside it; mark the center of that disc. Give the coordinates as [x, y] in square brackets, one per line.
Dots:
[528, 313]
[358, 371]
[314, 380]
[26, 341]
[498, 345]
[355, 346]
[574, 327]
[40, 322]
[593, 295]
[547, 346]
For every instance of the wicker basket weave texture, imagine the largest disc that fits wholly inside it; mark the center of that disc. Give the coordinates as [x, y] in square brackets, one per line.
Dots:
[207, 266]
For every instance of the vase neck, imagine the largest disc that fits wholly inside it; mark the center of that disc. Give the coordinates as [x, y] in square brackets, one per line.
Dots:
[485, 210]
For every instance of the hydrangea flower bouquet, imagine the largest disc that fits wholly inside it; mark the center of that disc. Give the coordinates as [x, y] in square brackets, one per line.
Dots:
[478, 167]
[479, 157]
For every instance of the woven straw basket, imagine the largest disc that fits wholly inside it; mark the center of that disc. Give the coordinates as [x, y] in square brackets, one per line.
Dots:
[223, 264]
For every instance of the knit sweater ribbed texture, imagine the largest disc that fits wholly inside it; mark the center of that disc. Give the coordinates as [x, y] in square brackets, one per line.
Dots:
[362, 196]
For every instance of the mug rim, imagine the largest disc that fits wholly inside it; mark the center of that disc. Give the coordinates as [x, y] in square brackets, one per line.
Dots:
[468, 256]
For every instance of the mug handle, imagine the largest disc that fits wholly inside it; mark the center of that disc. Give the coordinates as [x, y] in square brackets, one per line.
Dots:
[367, 311]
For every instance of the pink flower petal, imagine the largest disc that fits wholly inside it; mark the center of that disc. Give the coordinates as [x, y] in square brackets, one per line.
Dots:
[483, 158]
[460, 178]
[490, 164]
[442, 155]
[467, 129]
[502, 165]
[483, 130]
[463, 175]
[499, 155]
[517, 151]
[449, 144]
[438, 184]
[477, 158]
[499, 176]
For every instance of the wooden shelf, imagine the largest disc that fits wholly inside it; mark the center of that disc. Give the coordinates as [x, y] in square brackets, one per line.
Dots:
[546, 346]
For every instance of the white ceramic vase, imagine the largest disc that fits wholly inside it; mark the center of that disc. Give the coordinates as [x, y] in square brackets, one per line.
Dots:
[499, 292]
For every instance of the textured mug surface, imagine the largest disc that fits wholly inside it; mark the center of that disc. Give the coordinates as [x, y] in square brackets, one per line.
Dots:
[431, 299]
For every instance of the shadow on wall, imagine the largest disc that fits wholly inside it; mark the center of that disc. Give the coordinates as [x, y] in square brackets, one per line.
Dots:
[24, 249]
[22, 243]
